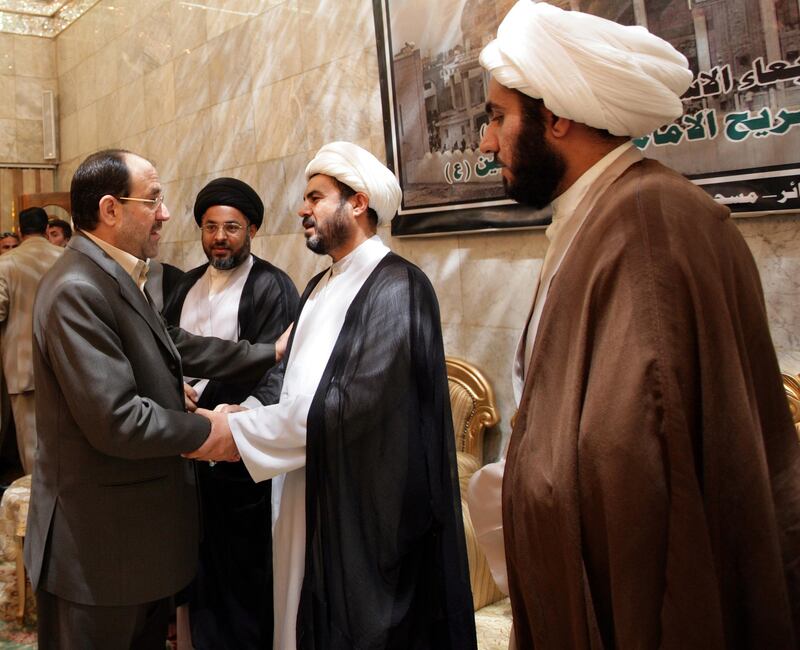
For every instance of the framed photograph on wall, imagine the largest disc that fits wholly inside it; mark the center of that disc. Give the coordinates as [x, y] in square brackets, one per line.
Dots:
[434, 96]
[738, 139]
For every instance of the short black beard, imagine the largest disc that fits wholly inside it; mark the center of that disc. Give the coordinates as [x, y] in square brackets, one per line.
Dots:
[336, 232]
[227, 263]
[537, 168]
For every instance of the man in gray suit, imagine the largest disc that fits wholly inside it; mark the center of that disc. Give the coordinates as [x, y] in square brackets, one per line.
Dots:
[20, 272]
[113, 527]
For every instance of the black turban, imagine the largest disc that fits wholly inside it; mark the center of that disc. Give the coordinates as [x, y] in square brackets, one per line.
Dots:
[231, 192]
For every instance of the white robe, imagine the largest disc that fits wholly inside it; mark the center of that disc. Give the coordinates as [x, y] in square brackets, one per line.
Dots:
[272, 439]
[211, 307]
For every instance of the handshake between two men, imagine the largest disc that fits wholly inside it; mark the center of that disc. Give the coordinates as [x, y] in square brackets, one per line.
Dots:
[220, 445]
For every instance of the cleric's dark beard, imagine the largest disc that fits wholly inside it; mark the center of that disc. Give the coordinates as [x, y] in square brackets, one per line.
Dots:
[537, 169]
[226, 263]
[332, 234]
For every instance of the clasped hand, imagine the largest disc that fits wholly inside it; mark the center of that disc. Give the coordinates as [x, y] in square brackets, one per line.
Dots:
[220, 444]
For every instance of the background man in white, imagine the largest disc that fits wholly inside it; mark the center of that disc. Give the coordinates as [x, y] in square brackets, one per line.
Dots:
[235, 296]
[363, 429]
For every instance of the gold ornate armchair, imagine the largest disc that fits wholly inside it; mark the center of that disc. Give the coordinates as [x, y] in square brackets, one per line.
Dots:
[473, 406]
[472, 403]
[791, 384]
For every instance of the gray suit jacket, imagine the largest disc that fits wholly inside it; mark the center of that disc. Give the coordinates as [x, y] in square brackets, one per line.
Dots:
[113, 515]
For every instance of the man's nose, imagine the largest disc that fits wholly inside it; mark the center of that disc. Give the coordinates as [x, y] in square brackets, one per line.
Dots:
[488, 141]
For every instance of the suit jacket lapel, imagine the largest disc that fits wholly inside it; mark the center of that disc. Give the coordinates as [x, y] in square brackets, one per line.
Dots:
[127, 288]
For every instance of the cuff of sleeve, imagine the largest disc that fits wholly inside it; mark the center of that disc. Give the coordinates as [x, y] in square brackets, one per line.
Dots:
[251, 403]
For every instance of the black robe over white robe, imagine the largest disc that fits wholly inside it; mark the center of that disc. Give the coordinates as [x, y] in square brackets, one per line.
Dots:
[231, 598]
[386, 563]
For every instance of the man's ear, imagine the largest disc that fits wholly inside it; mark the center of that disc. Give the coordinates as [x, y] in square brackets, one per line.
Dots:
[556, 126]
[253, 230]
[360, 204]
[107, 210]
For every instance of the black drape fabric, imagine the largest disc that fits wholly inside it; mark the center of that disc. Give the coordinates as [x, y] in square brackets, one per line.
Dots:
[230, 600]
[386, 563]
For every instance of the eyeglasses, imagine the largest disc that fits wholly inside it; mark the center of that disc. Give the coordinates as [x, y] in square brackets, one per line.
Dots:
[230, 228]
[3, 235]
[156, 203]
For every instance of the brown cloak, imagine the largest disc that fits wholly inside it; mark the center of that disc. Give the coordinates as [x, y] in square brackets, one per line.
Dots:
[652, 488]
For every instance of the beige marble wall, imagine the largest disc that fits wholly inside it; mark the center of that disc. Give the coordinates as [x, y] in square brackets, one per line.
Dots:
[251, 88]
[27, 67]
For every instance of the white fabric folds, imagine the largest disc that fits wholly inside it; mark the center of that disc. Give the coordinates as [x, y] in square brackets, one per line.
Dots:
[589, 69]
[359, 169]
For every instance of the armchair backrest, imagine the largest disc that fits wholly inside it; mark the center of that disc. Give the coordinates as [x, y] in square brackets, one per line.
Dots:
[791, 384]
[473, 406]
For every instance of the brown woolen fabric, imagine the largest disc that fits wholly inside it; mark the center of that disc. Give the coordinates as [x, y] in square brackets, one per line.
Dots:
[652, 489]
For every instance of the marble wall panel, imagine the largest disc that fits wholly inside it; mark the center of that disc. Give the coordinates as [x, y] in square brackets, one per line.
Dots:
[775, 243]
[191, 81]
[281, 183]
[28, 95]
[155, 36]
[86, 82]
[131, 108]
[106, 65]
[159, 146]
[289, 253]
[8, 140]
[30, 147]
[333, 105]
[193, 143]
[67, 92]
[193, 254]
[87, 130]
[160, 85]
[171, 253]
[271, 57]
[233, 133]
[225, 15]
[7, 54]
[107, 128]
[188, 27]
[499, 274]
[8, 96]
[229, 64]
[68, 145]
[278, 131]
[343, 27]
[34, 57]
[245, 173]
[67, 52]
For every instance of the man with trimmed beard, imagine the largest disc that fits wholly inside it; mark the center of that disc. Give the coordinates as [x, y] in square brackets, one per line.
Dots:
[235, 296]
[368, 538]
[112, 530]
[651, 496]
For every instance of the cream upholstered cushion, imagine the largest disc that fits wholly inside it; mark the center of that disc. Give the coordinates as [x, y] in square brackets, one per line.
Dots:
[462, 405]
[484, 590]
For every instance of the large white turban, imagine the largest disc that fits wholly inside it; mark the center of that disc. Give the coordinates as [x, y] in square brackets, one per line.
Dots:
[588, 69]
[358, 168]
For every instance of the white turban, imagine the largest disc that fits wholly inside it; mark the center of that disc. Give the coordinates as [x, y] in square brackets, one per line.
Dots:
[588, 69]
[359, 169]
